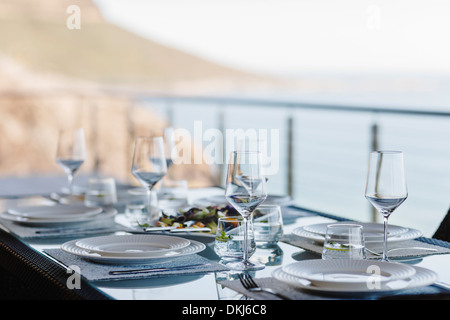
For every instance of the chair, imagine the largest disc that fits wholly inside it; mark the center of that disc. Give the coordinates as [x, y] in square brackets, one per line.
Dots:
[27, 274]
[443, 231]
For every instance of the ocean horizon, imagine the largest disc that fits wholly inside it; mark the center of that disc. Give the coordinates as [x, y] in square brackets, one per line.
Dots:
[330, 150]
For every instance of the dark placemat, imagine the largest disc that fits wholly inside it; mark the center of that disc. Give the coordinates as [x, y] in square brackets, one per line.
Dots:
[100, 272]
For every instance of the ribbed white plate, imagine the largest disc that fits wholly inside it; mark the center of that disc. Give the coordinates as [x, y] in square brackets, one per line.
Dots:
[192, 248]
[55, 212]
[132, 245]
[348, 274]
[410, 234]
[107, 214]
[422, 277]
[371, 230]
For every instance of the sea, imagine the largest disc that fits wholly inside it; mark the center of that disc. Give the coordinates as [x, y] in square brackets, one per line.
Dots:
[330, 147]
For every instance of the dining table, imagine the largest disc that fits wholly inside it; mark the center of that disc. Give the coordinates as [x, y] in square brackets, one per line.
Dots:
[35, 254]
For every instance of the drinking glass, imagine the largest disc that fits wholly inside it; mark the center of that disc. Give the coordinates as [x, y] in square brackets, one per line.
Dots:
[100, 192]
[71, 153]
[136, 207]
[229, 241]
[245, 191]
[386, 186]
[149, 166]
[173, 196]
[344, 241]
[268, 224]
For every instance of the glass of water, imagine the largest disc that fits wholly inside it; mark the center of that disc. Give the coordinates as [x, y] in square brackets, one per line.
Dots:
[268, 224]
[100, 192]
[173, 195]
[137, 210]
[229, 242]
[344, 241]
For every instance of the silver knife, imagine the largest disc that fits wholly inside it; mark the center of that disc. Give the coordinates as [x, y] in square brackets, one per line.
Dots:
[77, 230]
[158, 229]
[192, 266]
[192, 229]
[174, 229]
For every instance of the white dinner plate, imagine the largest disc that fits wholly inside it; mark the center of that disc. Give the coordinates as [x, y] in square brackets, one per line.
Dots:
[72, 248]
[372, 231]
[348, 274]
[422, 277]
[134, 245]
[410, 234]
[106, 214]
[57, 211]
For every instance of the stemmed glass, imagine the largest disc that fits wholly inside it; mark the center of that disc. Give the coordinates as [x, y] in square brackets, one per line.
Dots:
[169, 145]
[149, 164]
[258, 145]
[386, 186]
[71, 152]
[245, 191]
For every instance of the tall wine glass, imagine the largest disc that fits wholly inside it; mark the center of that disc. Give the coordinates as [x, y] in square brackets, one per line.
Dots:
[149, 165]
[245, 191]
[169, 145]
[71, 153]
[386, 186]
[259, 145]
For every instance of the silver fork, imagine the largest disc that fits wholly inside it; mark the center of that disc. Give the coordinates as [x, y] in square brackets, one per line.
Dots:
[407, 248]
[249, 284]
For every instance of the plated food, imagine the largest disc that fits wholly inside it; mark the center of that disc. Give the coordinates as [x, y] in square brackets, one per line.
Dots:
[196, 218]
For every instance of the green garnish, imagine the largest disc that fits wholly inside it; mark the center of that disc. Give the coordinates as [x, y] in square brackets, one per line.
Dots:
[144, 225]
[223, 237]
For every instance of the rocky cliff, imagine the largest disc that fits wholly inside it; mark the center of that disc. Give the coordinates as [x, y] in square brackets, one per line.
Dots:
[53, 77]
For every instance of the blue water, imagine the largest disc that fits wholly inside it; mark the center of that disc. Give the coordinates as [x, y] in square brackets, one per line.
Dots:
[331, 154]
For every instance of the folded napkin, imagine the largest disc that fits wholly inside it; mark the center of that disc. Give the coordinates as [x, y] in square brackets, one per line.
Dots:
[297, 294]
[100, 272]
[402, 246]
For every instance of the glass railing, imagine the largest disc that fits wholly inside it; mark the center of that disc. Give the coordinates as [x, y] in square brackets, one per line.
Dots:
[322, 150]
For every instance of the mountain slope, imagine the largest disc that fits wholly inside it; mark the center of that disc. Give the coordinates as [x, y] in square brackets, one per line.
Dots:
[38, 37]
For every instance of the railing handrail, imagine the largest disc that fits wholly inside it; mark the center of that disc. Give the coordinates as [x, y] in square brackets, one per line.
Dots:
[298, 105]
[171, 102]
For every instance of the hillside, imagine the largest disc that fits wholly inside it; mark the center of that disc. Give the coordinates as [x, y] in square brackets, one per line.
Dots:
[34, 33]
[52, 77]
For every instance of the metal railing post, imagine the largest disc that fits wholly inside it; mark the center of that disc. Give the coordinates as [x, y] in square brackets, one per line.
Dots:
[223, 167]
[170, 112]
[290, 157]
[374, 147]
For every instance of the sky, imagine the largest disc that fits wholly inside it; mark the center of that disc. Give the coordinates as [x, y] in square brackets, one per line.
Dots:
[288, 37]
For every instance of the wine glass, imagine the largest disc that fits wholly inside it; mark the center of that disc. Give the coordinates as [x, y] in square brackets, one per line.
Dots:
[71, 152]
[169, 145]
[245, 191]
[386, 186]
[258, 145]
[149, 165]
